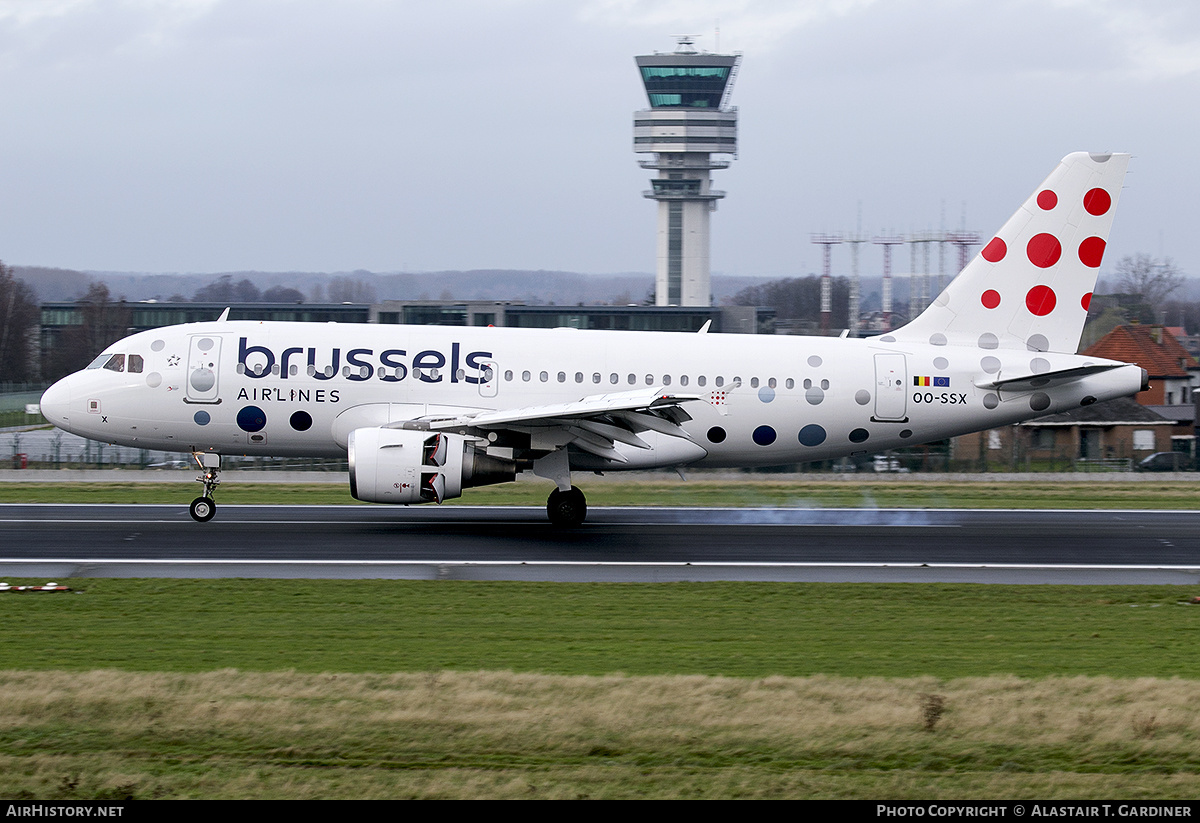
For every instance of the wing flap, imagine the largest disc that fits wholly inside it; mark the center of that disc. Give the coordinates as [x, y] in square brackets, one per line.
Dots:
[599, 405]
[594, 424]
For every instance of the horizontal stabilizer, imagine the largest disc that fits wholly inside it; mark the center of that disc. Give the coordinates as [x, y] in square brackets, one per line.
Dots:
[1029, 382]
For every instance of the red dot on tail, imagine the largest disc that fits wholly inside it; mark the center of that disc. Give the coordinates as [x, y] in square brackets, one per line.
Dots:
[994, 251]
[1097, 201]
[1043, 250]
[1040, 300]
[990, 299]
[1047, 200]
[1086, 302]
[1091, 252]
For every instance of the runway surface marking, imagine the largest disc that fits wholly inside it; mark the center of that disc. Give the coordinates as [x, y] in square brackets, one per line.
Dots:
[614, 563]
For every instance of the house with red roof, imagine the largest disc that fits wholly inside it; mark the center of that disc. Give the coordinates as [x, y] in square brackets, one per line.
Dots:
[1173, 371]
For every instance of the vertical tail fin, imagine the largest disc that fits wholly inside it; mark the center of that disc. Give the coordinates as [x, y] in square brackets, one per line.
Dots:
[1030, 286]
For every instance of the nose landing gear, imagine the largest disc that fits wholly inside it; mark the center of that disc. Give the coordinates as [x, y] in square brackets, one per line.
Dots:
[203, 508]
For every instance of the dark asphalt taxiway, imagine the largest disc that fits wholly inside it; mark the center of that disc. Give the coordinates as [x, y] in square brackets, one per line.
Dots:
[468, 542]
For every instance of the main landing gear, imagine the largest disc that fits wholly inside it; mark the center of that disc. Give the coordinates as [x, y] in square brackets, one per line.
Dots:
[567, 505]
[566, 508]
[204, 507]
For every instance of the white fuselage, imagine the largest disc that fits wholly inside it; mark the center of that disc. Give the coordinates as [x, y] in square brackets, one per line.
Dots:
[259, 388]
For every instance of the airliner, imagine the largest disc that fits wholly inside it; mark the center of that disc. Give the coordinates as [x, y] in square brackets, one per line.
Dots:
[424, 412]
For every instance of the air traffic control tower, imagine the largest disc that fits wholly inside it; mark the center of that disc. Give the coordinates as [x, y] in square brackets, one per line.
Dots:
[688, 121]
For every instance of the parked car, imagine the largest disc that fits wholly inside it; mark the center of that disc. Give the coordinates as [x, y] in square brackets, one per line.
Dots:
[887, 463]
[1165, 462]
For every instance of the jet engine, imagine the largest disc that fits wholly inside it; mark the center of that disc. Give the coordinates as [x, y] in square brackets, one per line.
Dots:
[410, 466]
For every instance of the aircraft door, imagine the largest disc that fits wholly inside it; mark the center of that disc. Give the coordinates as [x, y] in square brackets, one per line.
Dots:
[489, 381]
[891, 387]
[204, 360]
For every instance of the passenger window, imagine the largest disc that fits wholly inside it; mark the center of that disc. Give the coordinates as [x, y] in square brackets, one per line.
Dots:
[579, 377]
[666, 379]
[683, 379]
[649, 380]
[525, 376]
[771, 382]
[701, 380]
[720, 382]
[754, 382]
[632, 379]
[613, 378]
[543, 376]
[790, 383]
[562, 377]
[135, 364]
[116, 363]
[508, 375]
[596, 377]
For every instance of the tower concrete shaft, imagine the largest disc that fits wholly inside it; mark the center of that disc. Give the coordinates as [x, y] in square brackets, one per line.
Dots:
[688, 121]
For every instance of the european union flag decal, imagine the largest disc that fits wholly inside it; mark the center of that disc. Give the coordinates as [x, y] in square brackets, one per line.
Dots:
[944, 382]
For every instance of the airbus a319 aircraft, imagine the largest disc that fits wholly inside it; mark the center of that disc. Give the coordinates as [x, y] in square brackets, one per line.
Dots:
[423, 412]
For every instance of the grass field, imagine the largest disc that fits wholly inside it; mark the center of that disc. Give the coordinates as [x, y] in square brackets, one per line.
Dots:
[238, 688]
[349, 689]
[231, 734]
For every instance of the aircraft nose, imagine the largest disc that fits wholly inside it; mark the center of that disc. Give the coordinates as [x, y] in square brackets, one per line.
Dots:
[56, 404]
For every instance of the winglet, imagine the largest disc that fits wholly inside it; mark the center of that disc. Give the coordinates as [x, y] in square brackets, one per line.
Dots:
[224, 315]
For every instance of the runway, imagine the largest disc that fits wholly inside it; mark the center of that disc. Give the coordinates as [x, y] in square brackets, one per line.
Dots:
[616, 544]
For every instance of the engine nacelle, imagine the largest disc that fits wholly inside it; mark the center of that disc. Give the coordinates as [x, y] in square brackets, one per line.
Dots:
[409, 466]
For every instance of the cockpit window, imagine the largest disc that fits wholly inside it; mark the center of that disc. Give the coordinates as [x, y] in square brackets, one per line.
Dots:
[116, 363]
[99, 361]
[135, 364]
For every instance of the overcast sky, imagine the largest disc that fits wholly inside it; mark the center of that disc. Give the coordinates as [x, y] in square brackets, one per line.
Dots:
[218, 135]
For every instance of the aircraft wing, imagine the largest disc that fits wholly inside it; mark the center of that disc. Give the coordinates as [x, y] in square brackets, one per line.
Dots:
[594, 423]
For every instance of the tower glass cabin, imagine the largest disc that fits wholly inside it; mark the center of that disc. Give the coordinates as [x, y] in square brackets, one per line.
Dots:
[689, 120]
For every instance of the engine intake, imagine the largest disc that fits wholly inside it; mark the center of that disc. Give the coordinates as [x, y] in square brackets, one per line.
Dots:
[407, 466]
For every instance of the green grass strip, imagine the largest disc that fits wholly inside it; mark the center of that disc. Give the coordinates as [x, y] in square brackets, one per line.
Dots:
[750, 492]
[734, 629]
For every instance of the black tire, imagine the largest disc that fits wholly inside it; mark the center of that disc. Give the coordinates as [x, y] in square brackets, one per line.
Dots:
[566, 508]
[203, 509]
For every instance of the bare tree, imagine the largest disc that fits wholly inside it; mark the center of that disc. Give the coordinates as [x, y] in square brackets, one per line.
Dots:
[351, 290]
[246, 292]
[218, 291]
[102, 321]
[798, 298]
[282, 294]
[224, 290]
[18, 326]
[1153, 279]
